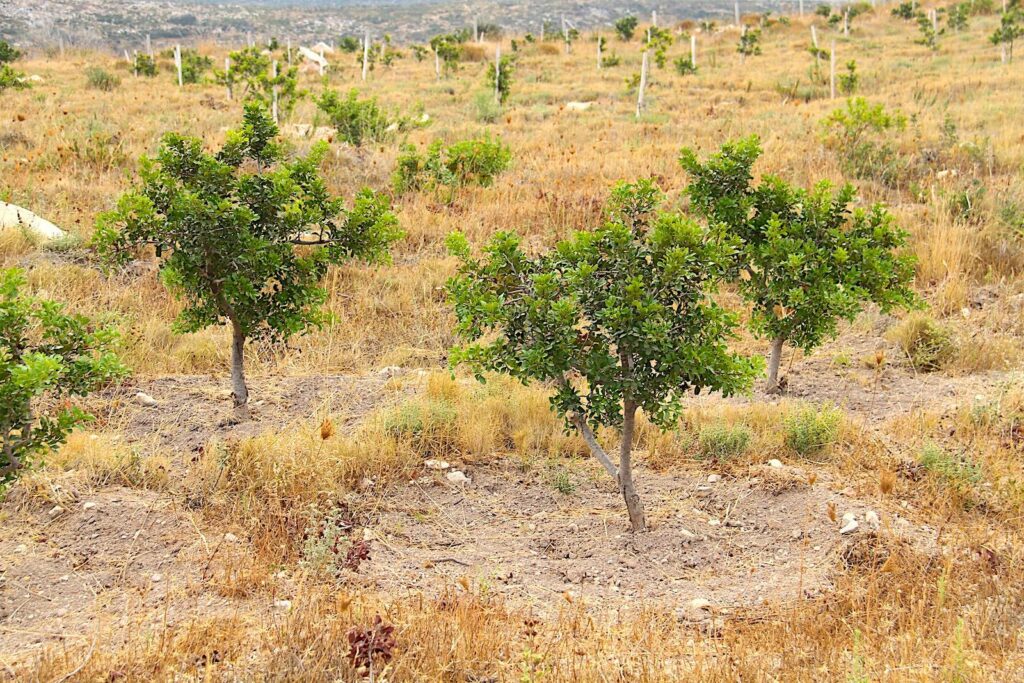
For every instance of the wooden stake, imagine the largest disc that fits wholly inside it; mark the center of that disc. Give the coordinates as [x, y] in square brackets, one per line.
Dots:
[177, 64]
[565, 36]
[846, 23]
[654, 18]
[366, 54]
[832, 71]
[643, 86]
[599, 58]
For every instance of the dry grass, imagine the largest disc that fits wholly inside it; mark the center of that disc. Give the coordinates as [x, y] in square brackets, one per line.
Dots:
[896, 613]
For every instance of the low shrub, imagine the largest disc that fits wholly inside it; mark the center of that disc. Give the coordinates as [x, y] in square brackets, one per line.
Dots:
[101, 79]
[723, 441]
[810, 430]
[356, 120]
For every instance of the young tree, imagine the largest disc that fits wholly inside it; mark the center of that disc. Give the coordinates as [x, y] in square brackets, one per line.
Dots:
[144, 65]
[806, 260]
[449, 50]
[1011, 27]
[46, 357]
[9, 77]
[251, 69]
[750, 43]
[228, 225]
[625, 27]
[503, 76]
[616, 320]
[194, 65]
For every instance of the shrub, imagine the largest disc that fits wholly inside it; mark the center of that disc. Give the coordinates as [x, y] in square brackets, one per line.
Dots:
[928, 345]
[1011, 27]
[8, 53]
[860, 134]
[9, 78]
[958, 16]
[356, 120]
[722, 441]
[625, 27]
[193, 66]
[805, 260]
[848, 81]
[350, 44]
[810, 431]
[228, 234]
[615, 319]
[448, 48]
[144, 65]
[659, 41]
[101, 79]
[500, 80]
[685, 67]
[485, 109]
[468, 162]
[956, 471]
[750, 42]
[47, 357]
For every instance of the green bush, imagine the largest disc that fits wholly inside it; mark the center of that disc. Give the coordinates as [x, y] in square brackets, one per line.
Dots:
[722, 441]
[144, 65]
[810, 430]
[486, 110]
[193, 66]
[956, 471]
[9, 78]
[101, 79]
[356, 120]
[685, 66]
[467, 162]
[861, 134]
[428, 426]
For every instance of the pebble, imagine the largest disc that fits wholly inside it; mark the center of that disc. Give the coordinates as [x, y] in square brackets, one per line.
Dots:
[775, 463]
[230, 538]
[21, 549]
[457, 477]
[156, 578]
[56, 510]
[700, 604]
[283, 604]
[850, 527]
[144, 399]
[713, 522]
[871, 519]
[714, 478]
[436, 464]
[88, 505]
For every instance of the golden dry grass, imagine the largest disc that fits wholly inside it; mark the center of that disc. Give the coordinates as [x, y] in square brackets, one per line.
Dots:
[896, 614]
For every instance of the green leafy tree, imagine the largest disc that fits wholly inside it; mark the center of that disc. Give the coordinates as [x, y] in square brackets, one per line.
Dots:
[8, 53]
[194, 66]
[905, 10]
[958, 16]
[929, 34]
[659, 41]
[615, 320]
[750, 42]
[449, 50]
[350, 44]
[1011, 27]
[626, 27]
[806, 260]
[47, 357]
[144, 65]
[228, 227]
[250, 69]
[685, 66]
[503, 76]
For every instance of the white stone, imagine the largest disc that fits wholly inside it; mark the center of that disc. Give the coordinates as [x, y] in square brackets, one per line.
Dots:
[700, 604]
[89, 505]
[56, 510]
[144, 399]
[230, 538]
[283, 604]
[714, 478]
[457, 477]
[871, 519]
[21, 549]
[12, 216]
[436, 464]
[850, 527]
[774, 463]
[157, 578]
[578, 106]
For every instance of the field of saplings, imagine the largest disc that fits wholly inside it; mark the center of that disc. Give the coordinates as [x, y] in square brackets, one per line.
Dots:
[664, 351]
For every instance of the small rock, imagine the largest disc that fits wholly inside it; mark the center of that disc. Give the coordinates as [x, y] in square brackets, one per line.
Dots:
[775, 463]
[700, 604]
[686, 533]
[156, 578]
[436, 464]
[21, 549]
[145, 400]
[714, 478]
[366, 483]
[850, 527]
[578, 106]
[849, 517]
[713, 522]
[797, 534]
[871, 519]
[62, 612]
[56, 510]
[230, 538]
[389, 371]
[457, 477]
[88, 505]
[283, 604]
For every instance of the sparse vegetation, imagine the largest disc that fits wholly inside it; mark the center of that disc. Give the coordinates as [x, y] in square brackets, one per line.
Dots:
[810, 431]
[356, 120]
[467, 162]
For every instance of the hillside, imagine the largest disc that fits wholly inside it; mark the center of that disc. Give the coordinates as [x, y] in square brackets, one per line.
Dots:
[177, 538]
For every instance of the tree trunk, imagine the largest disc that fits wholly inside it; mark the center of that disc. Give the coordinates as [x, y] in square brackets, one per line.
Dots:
[773, 365]
[239, 390]
[633, 504]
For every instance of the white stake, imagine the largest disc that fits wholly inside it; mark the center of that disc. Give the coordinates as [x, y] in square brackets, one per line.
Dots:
[801, 8]
[289, 52]
[599, 58]
[654, 18]
[149, 46]
[643, 86]
[565, 35]
[366, 54]
[177, 64]
[693, 50]
[736, 8]
[273, 74]
[227, 74]
[846, 23]
[832, 71]
[437, 64]
[476, 31]
[497, 75]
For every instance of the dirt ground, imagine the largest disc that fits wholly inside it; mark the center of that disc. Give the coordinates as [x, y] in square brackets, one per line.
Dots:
[128, 559]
